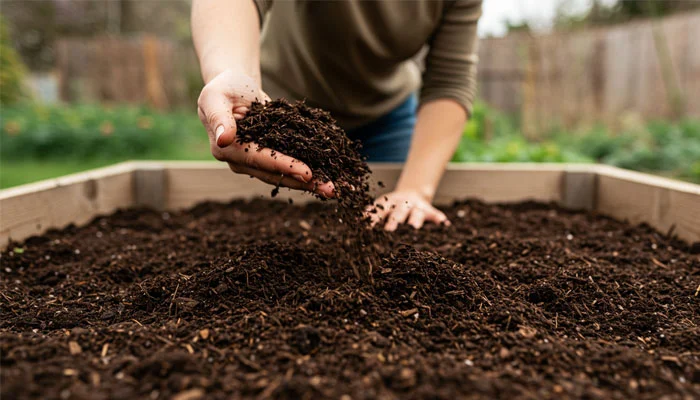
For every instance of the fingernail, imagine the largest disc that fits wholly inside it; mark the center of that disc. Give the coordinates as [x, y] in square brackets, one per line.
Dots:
[219, 132]
[300, 178]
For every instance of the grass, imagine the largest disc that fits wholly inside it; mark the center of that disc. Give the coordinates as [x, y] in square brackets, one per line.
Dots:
[41, 142]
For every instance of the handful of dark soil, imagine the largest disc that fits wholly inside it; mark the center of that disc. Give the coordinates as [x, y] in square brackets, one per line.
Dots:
[312, 136]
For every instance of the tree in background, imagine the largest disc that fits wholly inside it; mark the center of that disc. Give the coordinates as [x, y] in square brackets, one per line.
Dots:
[622, 11]
[11, 69]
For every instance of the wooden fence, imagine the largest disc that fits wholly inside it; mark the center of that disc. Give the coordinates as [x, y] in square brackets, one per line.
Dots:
[143, 70]
[649, 68]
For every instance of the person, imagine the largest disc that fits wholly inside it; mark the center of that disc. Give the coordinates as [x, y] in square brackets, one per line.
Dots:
[357, 59]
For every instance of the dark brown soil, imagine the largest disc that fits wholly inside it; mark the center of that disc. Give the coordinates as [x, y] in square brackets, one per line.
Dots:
[312, 136]
[252, 300]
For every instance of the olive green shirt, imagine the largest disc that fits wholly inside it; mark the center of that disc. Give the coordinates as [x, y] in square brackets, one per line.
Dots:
[360, 59]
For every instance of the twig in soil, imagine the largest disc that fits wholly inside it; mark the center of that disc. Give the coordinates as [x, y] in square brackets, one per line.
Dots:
[248, 363]
[173, 299]
[408, 313]
[270, 389]
[658, 263]
[140, 285]
[697, 291]
[164, 340]
[355, 271]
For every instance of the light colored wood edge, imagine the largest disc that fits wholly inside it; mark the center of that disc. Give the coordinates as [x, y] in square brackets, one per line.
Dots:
[667, 205]
[647, 179]
[577, 186]
[55, 203]
[93, 174]
[215, 165]
[663, 203]
[193, 182]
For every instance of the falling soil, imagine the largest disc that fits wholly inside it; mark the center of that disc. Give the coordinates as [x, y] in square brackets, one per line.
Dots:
[312, 136]
[251, 300]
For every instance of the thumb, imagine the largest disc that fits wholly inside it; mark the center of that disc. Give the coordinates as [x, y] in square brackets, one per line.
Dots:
[216, 113]
[224, 135]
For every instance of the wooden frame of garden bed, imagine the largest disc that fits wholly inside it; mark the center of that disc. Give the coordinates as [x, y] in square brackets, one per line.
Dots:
[667, 205]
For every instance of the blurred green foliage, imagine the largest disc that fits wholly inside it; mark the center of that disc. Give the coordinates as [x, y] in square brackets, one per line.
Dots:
[93, 132]
[661, 147]
[12, 69]
[39, 141]
[609, 13]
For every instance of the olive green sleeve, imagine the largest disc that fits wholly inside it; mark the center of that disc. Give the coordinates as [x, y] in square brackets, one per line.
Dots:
[450, 65]
[263, 7]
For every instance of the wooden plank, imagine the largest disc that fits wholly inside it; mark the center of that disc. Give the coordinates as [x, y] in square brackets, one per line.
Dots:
[610, 73]
[192, 182]
[74, 199]
[662, 203]
[491, 182]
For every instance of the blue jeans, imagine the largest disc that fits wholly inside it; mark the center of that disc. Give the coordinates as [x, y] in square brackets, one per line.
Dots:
[388, 138]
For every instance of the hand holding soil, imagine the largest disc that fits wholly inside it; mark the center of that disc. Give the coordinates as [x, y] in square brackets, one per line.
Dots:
[311, 137]
[224, 101]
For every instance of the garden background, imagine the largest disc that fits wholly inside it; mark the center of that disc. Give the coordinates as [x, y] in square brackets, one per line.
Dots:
[90, 83]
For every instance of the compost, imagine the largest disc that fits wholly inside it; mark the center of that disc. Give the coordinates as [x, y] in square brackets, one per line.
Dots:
[312, 136]
[252, 299]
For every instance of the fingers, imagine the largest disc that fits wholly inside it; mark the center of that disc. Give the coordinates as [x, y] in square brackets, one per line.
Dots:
[396, 211]
[326, 189]
[239, 112]
[436, 216]
[272, 178]
[245, 158]
[282, 180]
[217, 115]
[417, 218]
[377, 212]
[397, 216]
[275, 162]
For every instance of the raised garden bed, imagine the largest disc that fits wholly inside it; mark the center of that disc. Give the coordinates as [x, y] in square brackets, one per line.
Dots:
[251, 299]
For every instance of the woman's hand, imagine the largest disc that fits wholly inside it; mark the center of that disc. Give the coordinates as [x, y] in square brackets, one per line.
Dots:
[226, 99]
[403, 206]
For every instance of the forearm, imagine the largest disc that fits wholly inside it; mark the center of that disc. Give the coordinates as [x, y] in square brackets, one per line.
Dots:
[438, 129]
[226, 35]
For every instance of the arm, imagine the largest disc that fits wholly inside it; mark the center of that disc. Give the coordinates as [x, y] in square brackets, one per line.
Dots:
[226, 36]
[233, 45]
[449, 86]
[438, 130]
